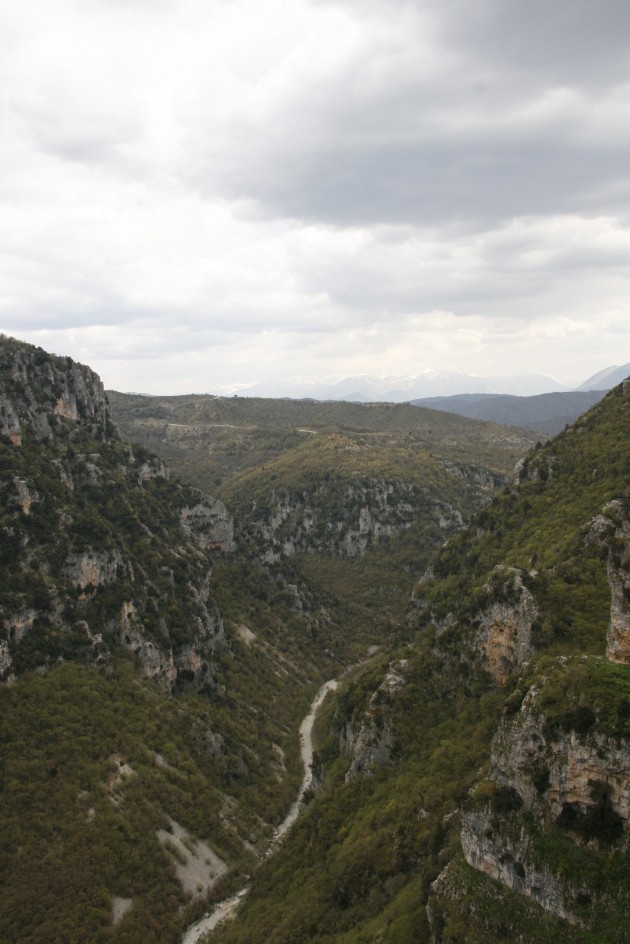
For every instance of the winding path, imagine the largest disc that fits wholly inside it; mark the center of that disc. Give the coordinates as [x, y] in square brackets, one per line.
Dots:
[225, 909]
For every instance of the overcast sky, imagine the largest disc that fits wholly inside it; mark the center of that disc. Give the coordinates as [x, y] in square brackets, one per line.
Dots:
[197, 194]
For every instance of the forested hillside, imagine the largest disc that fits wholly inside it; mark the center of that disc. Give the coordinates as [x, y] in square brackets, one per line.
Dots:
[154, 680]
[159, 646]
[474, 785]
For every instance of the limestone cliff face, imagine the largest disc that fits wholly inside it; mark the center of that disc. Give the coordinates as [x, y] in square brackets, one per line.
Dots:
[99, 549]
[90, 569]
[504, 858]
[171, 666]
[568, 778]
[549, 769]
[208, 523]
[611, 531]
[494, 636]
[371, 748]
[505, 626]
[343, 518]
[37, 390]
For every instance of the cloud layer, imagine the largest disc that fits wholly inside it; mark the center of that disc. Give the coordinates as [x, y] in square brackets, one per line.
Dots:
[194, 194]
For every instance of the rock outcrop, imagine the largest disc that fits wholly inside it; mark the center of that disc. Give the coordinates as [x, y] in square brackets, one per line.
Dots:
[611, 531]
[208, 523]
[343, 518]
[38, 389]
[504, 859]
[91, 569]
[505, 625]
[371, 749]
[551, 779]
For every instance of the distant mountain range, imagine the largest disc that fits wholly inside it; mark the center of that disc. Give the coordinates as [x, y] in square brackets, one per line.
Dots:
[546, 413]
[366, 388]
[606, 379]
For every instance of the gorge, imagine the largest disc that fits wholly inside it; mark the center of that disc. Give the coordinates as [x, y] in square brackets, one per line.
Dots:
[161, 642]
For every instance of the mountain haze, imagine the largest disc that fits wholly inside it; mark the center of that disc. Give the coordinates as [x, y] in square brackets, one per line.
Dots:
[369, 388]
[607, 378]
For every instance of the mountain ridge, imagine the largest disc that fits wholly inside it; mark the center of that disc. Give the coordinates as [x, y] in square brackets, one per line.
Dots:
[546, 413]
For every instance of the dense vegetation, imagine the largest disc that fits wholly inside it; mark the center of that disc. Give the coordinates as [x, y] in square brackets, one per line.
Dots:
[97, 755]
[361, 864]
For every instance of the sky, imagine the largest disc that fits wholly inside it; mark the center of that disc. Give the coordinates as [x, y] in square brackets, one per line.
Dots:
[197, 195]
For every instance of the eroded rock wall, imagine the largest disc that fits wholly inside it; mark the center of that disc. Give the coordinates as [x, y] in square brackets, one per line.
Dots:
[37, 389]
[611, 531]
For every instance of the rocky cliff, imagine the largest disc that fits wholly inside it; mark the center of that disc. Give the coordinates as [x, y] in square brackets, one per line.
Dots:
[340, 510]
[554, 808]
[611, 532]
[40, 392]
[369, 741]
[100, 551]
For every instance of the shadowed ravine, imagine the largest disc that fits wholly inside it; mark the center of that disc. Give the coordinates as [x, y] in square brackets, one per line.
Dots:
[226, 908]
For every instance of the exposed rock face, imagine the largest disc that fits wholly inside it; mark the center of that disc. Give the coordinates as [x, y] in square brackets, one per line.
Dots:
[551, 769]
[37, 389]
[504, 859]
[10, 422]
[208, 523]
[155, 663]
[505, 626]
[153, 468]
[91, 568]
[546, 776]
[170, 665]
[22, 495]
[611, 530]
[343, 518]
[6, 663]
[372, 748]
[534, 468]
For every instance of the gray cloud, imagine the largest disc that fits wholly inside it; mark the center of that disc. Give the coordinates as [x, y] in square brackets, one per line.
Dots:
[507, 118]
[315, 187]
[575, 42]
[439, 184]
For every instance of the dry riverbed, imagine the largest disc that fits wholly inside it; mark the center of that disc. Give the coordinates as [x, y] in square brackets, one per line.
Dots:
[226, 909]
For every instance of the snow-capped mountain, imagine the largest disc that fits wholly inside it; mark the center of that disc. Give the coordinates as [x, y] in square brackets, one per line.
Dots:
[397, 389]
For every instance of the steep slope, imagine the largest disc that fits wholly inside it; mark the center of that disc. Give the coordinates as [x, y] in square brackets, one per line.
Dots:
[475, 786]
[153, 679]
[96, 541]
